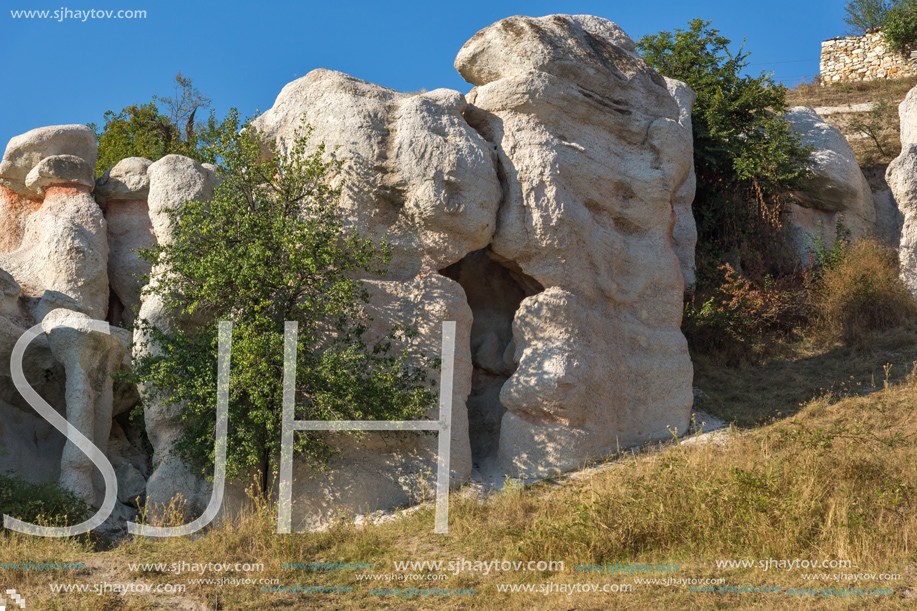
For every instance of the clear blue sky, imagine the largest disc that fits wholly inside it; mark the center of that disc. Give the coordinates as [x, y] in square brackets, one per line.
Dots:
[242, 53]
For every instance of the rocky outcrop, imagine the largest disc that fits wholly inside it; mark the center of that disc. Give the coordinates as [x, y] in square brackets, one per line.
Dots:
[838, 191]
[55, 238]
[54, 258]
[548, 215]
[902, 179]
[416, 172]
[173, 180]
[592, 156]
[123, 192]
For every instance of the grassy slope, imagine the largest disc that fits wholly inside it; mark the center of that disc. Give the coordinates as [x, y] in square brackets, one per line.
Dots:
[834, 478]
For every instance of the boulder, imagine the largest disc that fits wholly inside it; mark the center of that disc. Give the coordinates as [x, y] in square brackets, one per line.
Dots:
[902, 179]
[25, 152]
[593, 153]
[126, 180]
[838, 191]
[123, 192]
[60, 169]
[416, 173]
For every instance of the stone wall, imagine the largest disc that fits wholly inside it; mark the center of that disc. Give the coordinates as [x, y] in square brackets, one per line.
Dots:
[862, 58]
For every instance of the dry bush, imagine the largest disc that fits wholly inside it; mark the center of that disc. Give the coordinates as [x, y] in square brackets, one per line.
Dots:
[862, 293]
[735, 323]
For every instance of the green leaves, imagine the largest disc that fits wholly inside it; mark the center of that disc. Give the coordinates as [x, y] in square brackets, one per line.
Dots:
[270, 247]
[901, 26]
[864, 15]
[165, 126]
[747, 156]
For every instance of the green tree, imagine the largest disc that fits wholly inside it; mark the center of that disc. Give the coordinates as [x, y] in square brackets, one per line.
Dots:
[270, 248]
[901, 26]
[864, 15]
[164, 126]
[747, 156]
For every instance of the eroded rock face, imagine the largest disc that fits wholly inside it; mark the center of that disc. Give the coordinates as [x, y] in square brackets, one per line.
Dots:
[53, 236]
[122, 192]
[684, 236]
[838, 190]
[589, 141]
[174, 179]
[902, 179]
[416, 173]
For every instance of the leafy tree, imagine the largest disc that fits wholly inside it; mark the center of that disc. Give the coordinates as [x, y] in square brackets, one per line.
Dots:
[864, 15]
[746, 154]
[161, 127]
[901, 26]
[270, 248]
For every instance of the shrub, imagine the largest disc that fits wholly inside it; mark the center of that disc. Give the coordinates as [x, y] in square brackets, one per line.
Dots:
[746, 154]
[901, 25]
[862, 292]
[745, 310]
[864, 15]
[45, 503]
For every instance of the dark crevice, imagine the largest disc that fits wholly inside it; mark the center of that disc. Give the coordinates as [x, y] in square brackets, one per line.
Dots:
[494, 287]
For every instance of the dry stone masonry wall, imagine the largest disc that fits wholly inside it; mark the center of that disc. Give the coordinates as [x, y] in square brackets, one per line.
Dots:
[862, 58]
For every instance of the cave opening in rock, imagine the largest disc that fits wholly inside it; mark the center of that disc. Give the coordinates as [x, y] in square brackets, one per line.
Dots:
[494, 287]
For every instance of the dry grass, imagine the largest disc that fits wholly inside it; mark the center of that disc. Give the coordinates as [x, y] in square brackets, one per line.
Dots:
[847, 94]
[863, 293]
[835, 481]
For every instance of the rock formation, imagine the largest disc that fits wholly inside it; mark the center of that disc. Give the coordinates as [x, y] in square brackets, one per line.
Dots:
[122, 192]
[902, 179]
[54, 259]
[838, 191]
[591, 155]
[54, 231]
[173, 180]
[548, 214]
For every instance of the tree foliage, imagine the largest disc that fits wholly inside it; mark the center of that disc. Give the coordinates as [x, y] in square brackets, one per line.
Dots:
[901, 26]
[270, 248]
[864, 15]
[747, 156]
[164, 126]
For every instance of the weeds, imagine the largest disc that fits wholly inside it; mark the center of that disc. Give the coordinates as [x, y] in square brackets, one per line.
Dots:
[861, 293]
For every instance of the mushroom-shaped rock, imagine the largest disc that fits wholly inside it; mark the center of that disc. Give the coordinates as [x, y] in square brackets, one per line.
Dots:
[89, 358]
[25, 152]
[60, 169]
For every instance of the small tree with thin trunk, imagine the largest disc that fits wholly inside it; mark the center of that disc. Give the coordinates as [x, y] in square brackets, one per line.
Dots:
[864, 15]
[270, 248]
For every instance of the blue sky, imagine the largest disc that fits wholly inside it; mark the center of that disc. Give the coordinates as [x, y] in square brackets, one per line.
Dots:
[242, 53]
